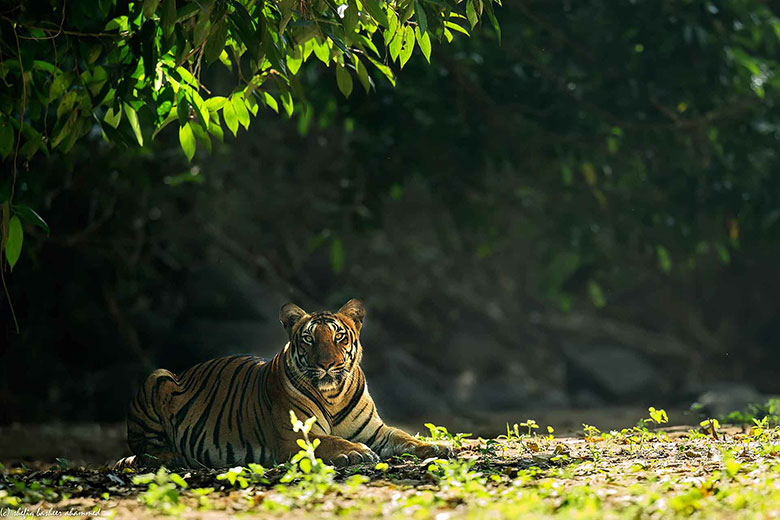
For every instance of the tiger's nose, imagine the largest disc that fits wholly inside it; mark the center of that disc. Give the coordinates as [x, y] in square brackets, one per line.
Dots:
[326, 365]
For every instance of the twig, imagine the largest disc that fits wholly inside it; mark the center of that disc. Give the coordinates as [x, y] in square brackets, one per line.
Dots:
[15, 168]
[8, 295]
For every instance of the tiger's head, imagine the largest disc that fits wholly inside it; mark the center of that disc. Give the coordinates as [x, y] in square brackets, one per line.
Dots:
[324, 346]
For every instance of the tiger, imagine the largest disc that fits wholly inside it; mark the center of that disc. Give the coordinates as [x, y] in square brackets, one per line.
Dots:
[236, 410]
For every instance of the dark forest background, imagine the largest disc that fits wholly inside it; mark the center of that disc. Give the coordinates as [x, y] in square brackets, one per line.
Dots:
[583, 214]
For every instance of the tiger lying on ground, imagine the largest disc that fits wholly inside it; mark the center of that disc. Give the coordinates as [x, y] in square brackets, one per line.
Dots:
[236, 410]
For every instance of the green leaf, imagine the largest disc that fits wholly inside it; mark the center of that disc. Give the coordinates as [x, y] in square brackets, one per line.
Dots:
[29, 215]
[424, 41]
[492, 17]
[384, 69]
[178, 480]
[215, 128]
[150, 6]
[408, 45]
[457, 28]
[215, 103]
[66, 129]
[723, 253]
[337, 255]
[13, 246]
[273, 52]
[422, 18]
[287, 102]
[395, 44]
[200, 110]
[270, 102]
[216, 42]
[168, 16]
[596, 294]
[362, 74]
[113, 117]
[59, 85]
[471, 13]
[322, 51]
[294, 60]
[376, 12]
[240, 108]
[202, 30]
[344, 81]
[187, 77]
[392, 18]
[182, 107]
[245, 27]
[664, 259]
[6, 138]
[170, 119]
[132, 117]
[231, 119]
[350, 20]
[187, 141]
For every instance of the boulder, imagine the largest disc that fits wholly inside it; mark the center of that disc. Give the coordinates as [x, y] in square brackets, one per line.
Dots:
[613, 373]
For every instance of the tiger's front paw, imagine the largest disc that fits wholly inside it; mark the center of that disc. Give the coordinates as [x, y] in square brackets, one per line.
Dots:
[425, 450]
[147, 461]
[359, 453]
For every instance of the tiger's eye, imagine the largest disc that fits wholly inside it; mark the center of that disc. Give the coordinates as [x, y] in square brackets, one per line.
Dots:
[308, 339]
[340, 336]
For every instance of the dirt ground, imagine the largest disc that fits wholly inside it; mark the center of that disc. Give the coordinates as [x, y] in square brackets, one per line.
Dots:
[668, 472]
[93, 444]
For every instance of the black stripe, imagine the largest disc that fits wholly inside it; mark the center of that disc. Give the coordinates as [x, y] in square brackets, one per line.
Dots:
[305, 391]
[382, 444]
[372, 439]
[362, 426]
[344, 412]
[198, 429]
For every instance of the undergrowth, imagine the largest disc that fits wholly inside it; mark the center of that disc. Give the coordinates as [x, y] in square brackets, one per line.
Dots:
[710, 471]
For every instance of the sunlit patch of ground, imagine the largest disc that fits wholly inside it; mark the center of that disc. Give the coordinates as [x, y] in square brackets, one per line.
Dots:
[710, 472]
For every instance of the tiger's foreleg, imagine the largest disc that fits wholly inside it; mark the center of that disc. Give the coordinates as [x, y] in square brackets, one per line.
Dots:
[388, 441]
[333, 450]
[367, 427]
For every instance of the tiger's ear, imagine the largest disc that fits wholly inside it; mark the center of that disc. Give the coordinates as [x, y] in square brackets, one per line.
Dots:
[289, 315]
[356, 311]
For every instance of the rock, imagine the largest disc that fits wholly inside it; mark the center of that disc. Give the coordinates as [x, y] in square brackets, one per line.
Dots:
[612, 372]
[720, 399]
[406, 388]
[506, 385]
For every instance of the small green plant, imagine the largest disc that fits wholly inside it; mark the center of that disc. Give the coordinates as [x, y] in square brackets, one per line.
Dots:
[7, 500]
[488, 447]
[512, 433]
[591, 433]
[162, 493]
[657, 416]
[307, 477]
[253, 473]
[203, 499]
[530, 424]
[458, 475]
[18, 492]
[710, 427]
[440, 433]
[769, 411]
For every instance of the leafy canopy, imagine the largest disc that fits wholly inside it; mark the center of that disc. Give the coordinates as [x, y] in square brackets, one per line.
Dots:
[130, 69]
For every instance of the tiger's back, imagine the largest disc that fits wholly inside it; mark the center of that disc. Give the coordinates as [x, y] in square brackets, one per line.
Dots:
[212, 414]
